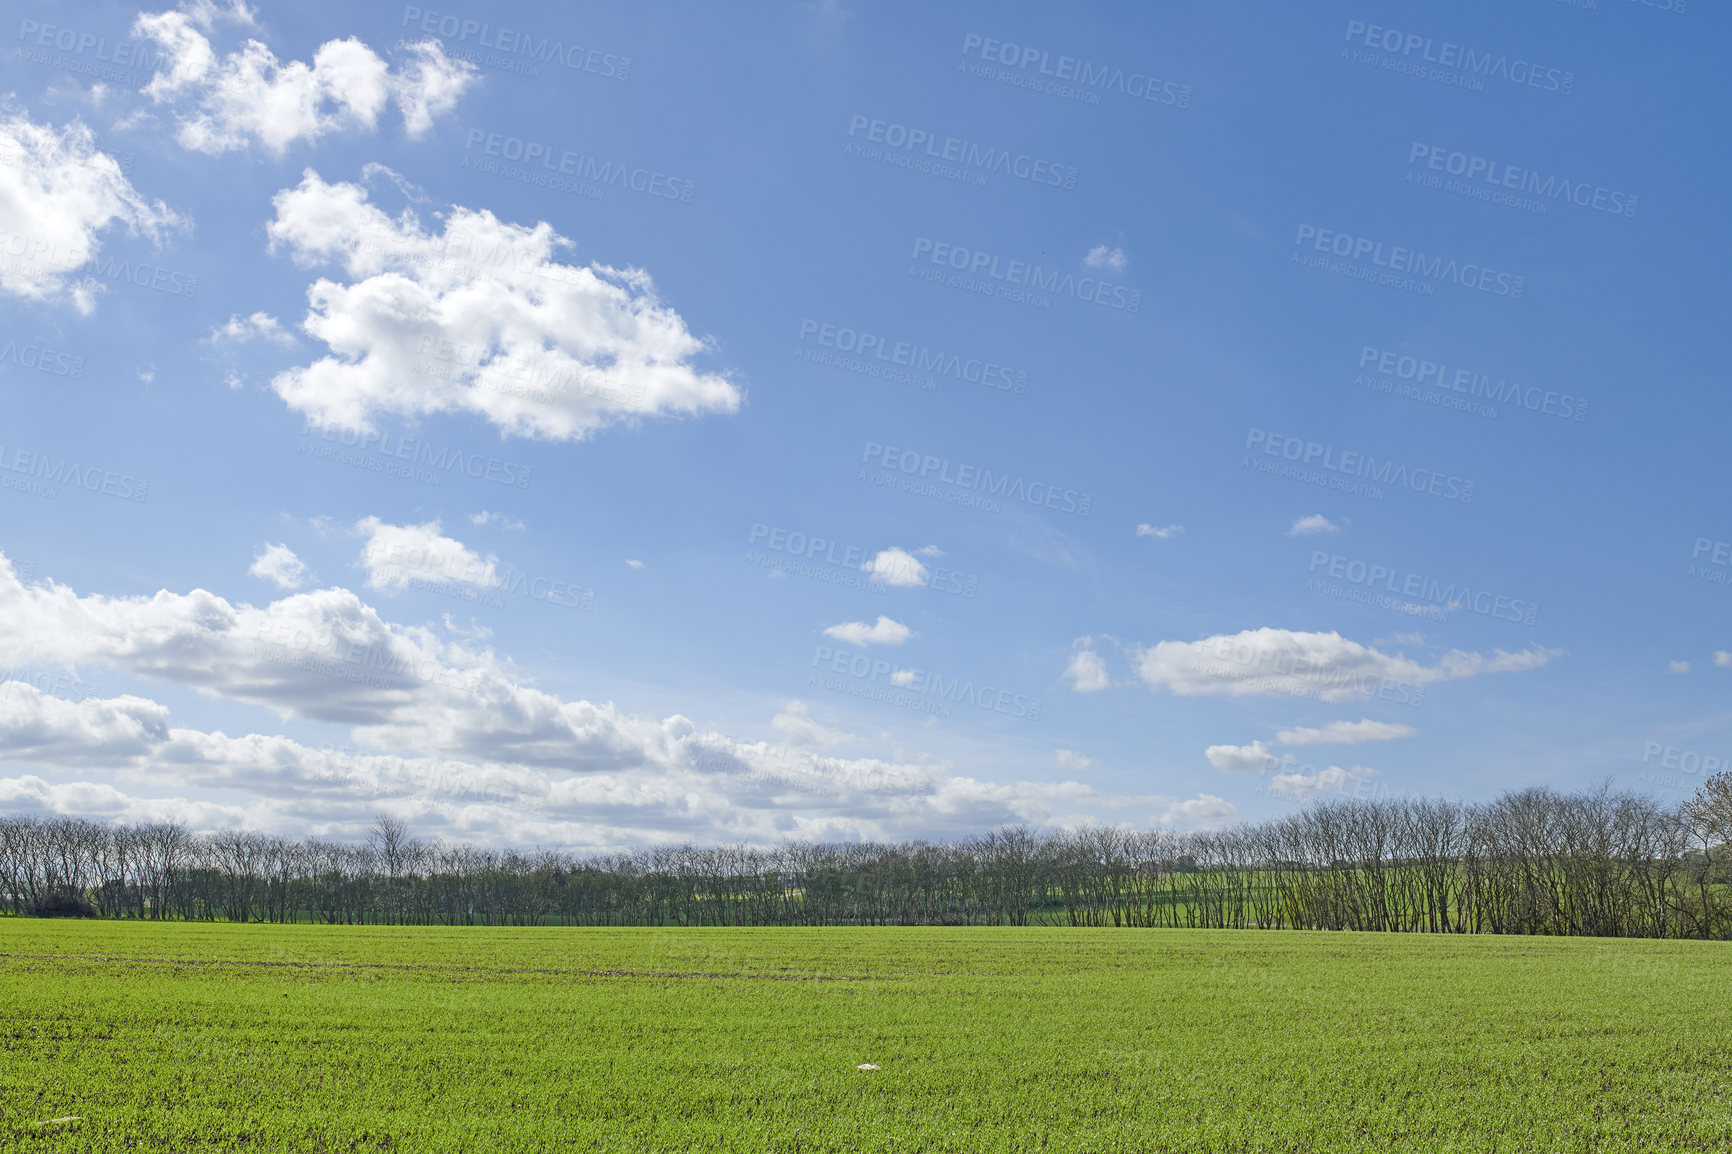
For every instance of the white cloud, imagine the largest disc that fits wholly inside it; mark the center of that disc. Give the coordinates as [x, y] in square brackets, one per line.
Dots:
[1722, 658]
[278, 564]
[904, 677]
[1324, 666]
[261, 326]
[635, 564]
[636, 784]
[500, 519]
[897, 568]
[475, 752]
[1100, 256]
[57, 192]
[1205, 811]
[474, 631]
[1346, 733]
[1160, 533]
[478, 319]
[397, 554]
[1677, 667]
[247, 96]
[1313, 524]
[883, 632]
[1321, 782]
[1087, 672]
[1072, 760]
[1253, 758]
[796, 725]
[35, 726]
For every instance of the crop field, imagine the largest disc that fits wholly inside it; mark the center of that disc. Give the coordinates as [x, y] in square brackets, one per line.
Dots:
[188, 1036]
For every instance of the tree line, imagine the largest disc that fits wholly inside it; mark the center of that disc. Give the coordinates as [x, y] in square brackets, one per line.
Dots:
[1534, 861]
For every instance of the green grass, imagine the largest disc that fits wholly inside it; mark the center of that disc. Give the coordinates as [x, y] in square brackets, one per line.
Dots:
[196, 1037]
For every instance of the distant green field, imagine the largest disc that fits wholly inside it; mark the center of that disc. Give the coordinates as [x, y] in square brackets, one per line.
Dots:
[219, 1037]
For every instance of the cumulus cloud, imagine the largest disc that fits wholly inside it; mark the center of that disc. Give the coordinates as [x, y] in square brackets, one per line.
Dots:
[1722, 658]
[35, 726]
[1677, 667]
[1324, 666]
[634, 563]
[1313, 524]
[395, 555]
[883, 632]
[1159, 533]
[58, 191]
[230, 101]
[261, 326]
[898, 568]
[478, 318]
[1321, 782]
[800, 730]
[1087, 671]
[1253, 758]
[443, 736]
[500, 519]
[1346, 733]
[278, 564]
[1205, 811]
[1100, 256]
[1072, 760]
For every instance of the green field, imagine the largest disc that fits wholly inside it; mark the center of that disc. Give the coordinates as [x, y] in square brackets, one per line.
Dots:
[187, 1036]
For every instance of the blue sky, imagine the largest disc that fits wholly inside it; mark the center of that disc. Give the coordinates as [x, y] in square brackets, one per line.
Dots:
[1232, 277]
